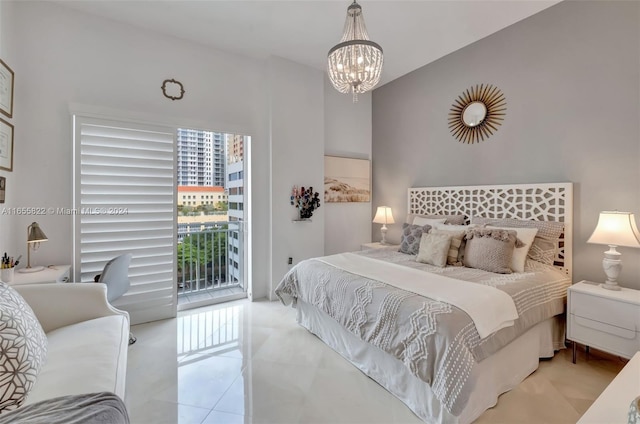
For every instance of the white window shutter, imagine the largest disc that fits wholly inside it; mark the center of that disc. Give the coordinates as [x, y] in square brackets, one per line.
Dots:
[124, 201]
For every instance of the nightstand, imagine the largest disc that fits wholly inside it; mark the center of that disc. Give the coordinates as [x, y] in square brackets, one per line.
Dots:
[377, 245]
[605, 319]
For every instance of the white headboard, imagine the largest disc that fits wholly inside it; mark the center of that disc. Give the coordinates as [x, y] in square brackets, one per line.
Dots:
[541, 202]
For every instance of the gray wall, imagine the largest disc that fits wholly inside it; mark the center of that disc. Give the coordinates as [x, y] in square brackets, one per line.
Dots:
[571, 77]
[347, 133]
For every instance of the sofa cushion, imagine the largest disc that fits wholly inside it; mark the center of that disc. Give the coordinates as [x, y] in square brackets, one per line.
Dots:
[23, 348]
[84, 358]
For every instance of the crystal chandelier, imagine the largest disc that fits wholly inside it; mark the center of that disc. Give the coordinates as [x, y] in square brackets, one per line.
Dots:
[355, 64]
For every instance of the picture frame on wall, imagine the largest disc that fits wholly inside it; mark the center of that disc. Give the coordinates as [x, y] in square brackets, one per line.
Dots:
[346, 180]
[6, 90]
[6, 145]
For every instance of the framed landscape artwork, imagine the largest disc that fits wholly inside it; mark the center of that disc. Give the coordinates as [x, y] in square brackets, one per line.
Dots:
[346, 180]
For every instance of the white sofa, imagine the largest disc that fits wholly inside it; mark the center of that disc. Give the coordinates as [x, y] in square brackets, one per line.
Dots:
[87, 340]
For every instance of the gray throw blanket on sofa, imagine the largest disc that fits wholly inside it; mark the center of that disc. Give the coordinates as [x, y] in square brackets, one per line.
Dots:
[91, 408]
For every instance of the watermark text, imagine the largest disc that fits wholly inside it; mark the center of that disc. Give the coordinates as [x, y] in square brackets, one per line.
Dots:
[41, 211]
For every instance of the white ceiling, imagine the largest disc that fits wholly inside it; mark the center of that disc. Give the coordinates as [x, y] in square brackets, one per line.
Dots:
[411, 33]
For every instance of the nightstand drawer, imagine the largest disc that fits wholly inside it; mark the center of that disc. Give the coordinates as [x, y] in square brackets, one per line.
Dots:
[606, 328]
[603, 336]
[607, 311]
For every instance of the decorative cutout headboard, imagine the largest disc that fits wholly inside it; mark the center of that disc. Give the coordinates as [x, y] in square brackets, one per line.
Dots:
[540, 202]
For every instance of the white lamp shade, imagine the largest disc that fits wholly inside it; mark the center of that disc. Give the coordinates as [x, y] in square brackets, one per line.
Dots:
[616, 229]
[383, 215]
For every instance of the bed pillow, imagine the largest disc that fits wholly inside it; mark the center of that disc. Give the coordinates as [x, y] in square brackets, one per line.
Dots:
[421, 220]
[451, 227]
[433, 249]
[543, 250]
[411, 235]
[461, 228]
[449, 219]
[23, 346]
[545, 245]
[457, 237]
[526, 236]
[490, 249]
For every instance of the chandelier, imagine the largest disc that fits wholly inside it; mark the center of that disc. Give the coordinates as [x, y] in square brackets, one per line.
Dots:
[355, 64]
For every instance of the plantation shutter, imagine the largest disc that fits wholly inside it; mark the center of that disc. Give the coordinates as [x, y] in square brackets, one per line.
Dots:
[124, 202]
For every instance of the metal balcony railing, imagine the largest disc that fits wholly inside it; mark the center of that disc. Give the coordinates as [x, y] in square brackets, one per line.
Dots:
[210, 259]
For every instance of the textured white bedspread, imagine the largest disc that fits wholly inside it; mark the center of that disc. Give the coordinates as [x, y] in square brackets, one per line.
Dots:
[437, 341]
[470, 297]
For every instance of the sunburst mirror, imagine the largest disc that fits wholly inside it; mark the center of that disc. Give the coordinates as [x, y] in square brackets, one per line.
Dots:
[477, 113]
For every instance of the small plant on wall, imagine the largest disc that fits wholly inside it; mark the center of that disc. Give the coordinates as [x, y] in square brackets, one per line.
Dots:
[305, 200]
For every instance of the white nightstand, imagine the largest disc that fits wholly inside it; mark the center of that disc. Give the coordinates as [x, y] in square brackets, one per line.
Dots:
[605, 319]
[51, 274]
[377, 245]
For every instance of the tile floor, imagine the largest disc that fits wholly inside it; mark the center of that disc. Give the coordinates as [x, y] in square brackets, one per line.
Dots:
[208, 295]
[243, 362]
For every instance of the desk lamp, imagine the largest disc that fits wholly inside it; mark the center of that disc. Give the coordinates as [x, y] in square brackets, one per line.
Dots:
[384, 217]
[34, 236]
[615, 229]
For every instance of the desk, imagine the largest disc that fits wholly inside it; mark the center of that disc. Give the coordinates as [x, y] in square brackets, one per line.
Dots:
[51, 274]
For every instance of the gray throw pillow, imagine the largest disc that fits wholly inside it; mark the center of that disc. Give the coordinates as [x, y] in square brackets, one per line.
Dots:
[545, 244]
[411, 236]
[490, 249]
[23, 348]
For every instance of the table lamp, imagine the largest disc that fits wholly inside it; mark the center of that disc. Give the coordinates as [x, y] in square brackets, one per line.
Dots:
[34, 236]
[615, 229]
[384, 217]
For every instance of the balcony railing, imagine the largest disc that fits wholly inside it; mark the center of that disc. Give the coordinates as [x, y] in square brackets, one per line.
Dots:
[210, 259]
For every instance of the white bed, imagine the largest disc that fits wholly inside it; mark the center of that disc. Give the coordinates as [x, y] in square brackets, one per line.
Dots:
[496, 371]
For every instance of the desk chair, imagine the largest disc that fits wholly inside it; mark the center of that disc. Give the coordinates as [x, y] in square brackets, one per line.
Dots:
[115, 276]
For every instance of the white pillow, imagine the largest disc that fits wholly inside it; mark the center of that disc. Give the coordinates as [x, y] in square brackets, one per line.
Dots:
[526, 236]
[434, 249]
[453, 256]
[418, 220]
[450, 227]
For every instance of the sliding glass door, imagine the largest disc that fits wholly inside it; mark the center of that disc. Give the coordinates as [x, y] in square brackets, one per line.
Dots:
[174, 199]
[211, 217]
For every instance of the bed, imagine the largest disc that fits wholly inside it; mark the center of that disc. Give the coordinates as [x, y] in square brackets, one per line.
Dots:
[446, 341]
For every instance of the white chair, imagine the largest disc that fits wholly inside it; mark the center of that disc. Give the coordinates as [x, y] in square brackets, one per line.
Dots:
[115, 276]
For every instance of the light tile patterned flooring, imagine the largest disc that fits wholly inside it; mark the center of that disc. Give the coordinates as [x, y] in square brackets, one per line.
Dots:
[244, 362]
[206, 295]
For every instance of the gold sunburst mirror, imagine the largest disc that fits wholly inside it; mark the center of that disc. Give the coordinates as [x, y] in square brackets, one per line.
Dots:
[477, 113]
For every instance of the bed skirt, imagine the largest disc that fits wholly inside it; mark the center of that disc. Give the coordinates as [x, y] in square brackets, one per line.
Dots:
[495, 375]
